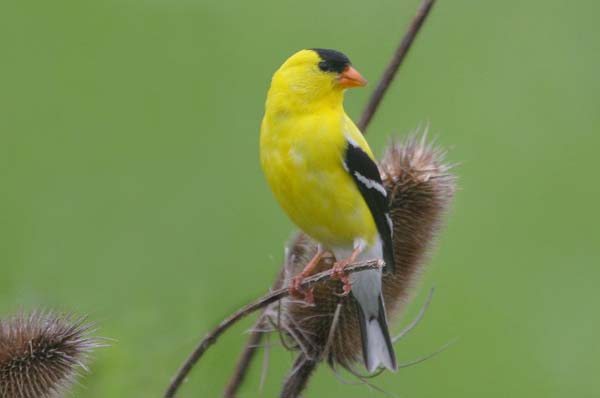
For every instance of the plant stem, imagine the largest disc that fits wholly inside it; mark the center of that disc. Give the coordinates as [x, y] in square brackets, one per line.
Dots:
[262, 302]
[394, 64]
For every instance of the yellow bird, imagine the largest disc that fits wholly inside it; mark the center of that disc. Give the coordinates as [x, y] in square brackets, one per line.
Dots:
[323, 174]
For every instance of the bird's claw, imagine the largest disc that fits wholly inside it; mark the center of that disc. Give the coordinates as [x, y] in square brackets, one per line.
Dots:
[338, 272]
[296, 290]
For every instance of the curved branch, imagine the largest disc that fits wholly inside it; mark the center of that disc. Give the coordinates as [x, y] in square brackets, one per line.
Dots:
[245, 359]
[394, 65]
[239, 374]
[262, 302]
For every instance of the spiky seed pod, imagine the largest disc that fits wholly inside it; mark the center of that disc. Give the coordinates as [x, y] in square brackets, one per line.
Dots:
[420, 189]
[41, 354]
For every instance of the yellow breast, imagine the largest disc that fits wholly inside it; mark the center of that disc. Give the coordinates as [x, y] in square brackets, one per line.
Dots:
[302, 158]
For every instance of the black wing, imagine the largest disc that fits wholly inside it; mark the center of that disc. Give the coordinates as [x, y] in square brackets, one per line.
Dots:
[365, 174]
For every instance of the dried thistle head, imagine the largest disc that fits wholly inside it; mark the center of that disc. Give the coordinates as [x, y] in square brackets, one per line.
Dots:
[420, 189]
[42, 354]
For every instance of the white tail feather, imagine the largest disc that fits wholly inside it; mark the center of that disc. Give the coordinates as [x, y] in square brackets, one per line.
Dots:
[378, 351]
[366, 289]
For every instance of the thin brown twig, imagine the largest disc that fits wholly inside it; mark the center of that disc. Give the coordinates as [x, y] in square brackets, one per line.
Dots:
[394, 65]
[262, 302]
[243, 363]
[334, 322]
[298, 379]
[245, 358]
[417, 319]
[265, 368]
[428, 356]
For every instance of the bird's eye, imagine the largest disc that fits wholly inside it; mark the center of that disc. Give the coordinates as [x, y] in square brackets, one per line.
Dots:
[333, 66]
[325, 66]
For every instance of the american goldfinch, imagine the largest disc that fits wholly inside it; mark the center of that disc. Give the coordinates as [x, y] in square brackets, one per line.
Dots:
[323, 174]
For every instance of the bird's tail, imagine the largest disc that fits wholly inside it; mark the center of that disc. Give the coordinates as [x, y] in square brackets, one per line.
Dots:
[366, 289]
[376, 342]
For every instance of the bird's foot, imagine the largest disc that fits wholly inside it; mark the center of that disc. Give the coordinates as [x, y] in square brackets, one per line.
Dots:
[339, 272]
[297, 291]
[295, 286]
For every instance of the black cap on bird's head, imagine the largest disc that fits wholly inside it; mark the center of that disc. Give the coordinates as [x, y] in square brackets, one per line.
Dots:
[337, 62]
[332, 60]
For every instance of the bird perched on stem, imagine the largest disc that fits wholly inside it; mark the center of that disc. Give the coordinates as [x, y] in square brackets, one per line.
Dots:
[324, 176]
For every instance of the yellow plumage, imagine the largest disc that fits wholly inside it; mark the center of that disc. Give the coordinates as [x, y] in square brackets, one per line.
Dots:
[323, 175]
[302, 144]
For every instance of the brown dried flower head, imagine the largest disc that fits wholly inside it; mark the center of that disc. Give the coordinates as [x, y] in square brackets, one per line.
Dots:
[420, 189]
[41, 354]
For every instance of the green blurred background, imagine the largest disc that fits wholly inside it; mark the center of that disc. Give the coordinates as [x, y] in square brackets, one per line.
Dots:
[131, 188]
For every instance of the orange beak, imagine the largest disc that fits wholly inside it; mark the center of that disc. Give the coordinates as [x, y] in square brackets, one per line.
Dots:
[351, 78]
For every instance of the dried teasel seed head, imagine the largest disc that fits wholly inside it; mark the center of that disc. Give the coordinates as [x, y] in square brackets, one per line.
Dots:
[41, 354]
[420, 187]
